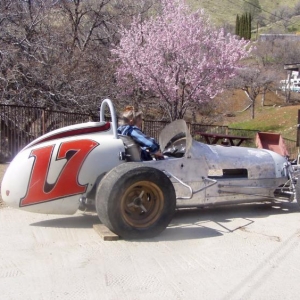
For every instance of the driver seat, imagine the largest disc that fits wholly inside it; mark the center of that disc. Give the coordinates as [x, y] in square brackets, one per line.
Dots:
[132, 149]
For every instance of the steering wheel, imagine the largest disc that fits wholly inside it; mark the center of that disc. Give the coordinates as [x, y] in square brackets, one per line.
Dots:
[176, 146]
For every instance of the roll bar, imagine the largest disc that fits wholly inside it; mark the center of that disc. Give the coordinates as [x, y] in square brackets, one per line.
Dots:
[104, 104]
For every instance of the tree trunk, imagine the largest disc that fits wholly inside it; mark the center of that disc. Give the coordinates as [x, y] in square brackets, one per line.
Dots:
[252, 104]
[263, 97]
[288, 91]
[288, 96]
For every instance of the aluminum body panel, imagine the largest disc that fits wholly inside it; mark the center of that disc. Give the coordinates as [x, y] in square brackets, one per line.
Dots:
[264, 173]
[258, 162]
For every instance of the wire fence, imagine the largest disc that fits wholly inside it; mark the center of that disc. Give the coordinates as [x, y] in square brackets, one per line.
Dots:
[22, 124]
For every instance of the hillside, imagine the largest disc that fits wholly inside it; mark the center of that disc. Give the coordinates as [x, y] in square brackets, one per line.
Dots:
[225, 11]
[275, 116]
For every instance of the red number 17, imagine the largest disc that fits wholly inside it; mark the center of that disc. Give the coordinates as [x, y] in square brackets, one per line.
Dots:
[66, 184]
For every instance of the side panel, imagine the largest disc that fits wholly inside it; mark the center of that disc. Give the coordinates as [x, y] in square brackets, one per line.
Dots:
[259, 163]
[210, 175]
[51, 177]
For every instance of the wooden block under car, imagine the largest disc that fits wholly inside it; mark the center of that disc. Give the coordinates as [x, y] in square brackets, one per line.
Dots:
[105, 233]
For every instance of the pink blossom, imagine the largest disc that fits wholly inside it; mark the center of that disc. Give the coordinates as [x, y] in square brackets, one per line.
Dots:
[178, 55]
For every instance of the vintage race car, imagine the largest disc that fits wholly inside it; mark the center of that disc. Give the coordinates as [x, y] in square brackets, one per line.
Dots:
[90, 167]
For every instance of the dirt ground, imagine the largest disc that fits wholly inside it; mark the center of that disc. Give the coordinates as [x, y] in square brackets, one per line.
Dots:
[229, 253]
[249, 251]
[3, 168]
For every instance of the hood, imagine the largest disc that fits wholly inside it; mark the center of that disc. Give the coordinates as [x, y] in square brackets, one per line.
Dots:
[73, 130]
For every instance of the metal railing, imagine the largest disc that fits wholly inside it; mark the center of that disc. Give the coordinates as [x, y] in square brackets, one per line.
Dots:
[22, 124]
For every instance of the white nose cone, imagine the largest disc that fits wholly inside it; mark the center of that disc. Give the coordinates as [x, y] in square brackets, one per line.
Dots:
[15, 181]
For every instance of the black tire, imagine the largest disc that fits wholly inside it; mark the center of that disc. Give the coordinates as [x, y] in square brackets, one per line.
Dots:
[135, 201]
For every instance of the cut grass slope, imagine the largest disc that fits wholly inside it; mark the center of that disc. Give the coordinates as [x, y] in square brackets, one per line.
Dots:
[281, 120]
[275, 116]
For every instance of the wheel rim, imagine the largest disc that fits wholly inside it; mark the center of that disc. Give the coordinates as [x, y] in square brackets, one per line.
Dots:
[141, 204]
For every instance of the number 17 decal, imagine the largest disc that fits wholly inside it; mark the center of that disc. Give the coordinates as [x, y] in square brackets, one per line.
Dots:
[66, 184]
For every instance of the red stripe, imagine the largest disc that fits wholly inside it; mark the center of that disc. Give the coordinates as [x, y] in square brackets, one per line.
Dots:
[74, 132]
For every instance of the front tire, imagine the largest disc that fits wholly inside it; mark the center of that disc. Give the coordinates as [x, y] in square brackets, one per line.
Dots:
[135, 201]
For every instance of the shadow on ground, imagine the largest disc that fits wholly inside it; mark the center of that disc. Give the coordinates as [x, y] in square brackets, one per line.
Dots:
[77, 221]
[191, 223]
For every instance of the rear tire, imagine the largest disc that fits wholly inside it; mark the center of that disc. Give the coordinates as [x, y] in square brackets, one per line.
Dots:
[135, 201]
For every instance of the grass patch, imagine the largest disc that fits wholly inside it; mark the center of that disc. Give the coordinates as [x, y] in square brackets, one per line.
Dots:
[281, 120]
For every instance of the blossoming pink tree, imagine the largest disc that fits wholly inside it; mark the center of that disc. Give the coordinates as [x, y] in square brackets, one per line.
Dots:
[179, 56]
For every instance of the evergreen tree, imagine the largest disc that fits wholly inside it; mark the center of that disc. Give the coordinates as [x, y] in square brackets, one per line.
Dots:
[243, 26]
[249, 25]
[237, 25]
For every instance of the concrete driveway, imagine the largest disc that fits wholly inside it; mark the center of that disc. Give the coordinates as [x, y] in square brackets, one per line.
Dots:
[242, 252]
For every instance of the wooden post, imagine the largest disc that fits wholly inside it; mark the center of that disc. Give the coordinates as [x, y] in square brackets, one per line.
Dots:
[298, 129]
[43, 121]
